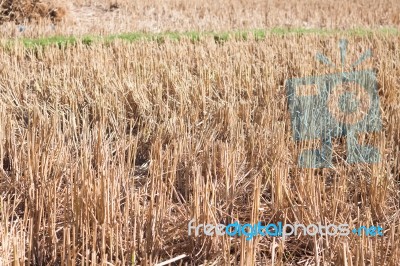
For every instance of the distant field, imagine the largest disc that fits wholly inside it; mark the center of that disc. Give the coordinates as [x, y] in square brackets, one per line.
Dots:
[109, 150]
[115, 17]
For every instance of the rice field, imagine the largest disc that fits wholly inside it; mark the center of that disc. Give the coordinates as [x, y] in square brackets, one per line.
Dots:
[109, 147]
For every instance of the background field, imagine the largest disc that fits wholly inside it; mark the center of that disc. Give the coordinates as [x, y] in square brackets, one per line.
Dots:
[118, 16]
[109, 148]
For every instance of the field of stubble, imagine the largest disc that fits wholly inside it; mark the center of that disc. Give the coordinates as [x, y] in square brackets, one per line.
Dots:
[119, 16]
[108, 150]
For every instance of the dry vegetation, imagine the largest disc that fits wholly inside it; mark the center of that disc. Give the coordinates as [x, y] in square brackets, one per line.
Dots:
[116, 16]
[108, 151]
[21, 11]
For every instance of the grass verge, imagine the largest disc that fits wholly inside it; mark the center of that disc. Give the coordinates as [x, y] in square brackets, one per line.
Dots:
[258, 34]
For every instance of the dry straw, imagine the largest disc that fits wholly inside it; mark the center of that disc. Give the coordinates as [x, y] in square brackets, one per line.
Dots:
[108, 151]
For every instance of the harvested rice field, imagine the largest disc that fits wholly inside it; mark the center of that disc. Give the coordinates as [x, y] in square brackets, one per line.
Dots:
[200, 133]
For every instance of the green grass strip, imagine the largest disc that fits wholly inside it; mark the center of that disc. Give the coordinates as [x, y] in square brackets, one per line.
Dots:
[219, 37]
